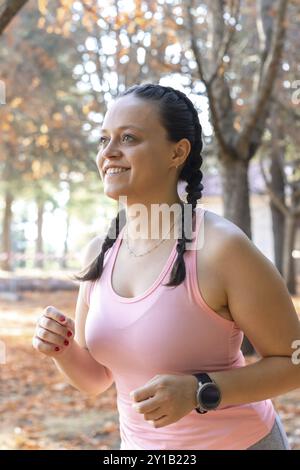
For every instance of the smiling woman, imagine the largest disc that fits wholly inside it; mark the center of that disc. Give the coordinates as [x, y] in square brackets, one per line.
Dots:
[142, 150]
[165, 320]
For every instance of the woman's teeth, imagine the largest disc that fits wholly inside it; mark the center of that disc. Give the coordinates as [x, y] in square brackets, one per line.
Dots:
[114, 171]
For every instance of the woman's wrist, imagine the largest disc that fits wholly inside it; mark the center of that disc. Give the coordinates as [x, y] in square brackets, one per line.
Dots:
[193, 384]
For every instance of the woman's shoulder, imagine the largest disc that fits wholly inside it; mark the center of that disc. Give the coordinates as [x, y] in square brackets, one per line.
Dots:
[220, 229]
[225, 250]
[217, 233]
[92, 250]
[226, 245]
[221, 238]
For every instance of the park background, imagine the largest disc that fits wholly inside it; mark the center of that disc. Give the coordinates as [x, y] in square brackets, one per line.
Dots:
[61, 63]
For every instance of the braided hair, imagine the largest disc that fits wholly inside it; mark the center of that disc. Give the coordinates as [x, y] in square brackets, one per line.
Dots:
[180, 119]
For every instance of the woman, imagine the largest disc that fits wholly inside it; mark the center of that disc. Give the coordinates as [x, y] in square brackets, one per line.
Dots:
[153, 315]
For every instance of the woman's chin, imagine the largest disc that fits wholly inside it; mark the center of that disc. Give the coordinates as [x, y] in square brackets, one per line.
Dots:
[114, 193]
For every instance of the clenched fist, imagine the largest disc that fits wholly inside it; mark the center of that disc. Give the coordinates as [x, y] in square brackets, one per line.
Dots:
[54, 333]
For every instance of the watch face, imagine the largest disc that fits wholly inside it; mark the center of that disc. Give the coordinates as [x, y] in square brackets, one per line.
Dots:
[209, 396]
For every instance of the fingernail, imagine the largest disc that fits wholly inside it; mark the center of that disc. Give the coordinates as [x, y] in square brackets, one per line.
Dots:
[57, 348]
[62, 318]
[69, 333]
[66, 342]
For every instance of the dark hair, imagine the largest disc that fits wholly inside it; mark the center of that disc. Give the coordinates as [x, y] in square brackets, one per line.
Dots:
[180, 119]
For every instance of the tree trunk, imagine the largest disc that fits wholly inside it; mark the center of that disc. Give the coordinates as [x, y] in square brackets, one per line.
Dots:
[236, 201]
[237, 206]
[39, 262]
[6, 264]
[9, 9]
[278, 219]
[277, 181]
[288, 261]
[64, 261]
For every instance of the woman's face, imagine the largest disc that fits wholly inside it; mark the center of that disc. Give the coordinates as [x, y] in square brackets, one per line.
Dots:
[131, 137]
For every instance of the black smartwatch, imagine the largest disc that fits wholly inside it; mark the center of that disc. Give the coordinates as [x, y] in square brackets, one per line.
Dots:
[208, 393]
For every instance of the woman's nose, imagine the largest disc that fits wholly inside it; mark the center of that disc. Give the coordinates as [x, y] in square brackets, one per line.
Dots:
[110, 149]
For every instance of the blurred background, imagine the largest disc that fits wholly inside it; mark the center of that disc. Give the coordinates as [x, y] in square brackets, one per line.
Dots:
[61, 63]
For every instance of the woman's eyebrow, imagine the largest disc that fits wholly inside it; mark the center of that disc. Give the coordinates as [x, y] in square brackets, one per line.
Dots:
[125, 127]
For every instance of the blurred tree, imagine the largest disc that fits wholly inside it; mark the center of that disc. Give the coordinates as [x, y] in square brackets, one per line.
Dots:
[42, 125]
[280, 146]
[283, 183]
[8, 9]
[238, 130]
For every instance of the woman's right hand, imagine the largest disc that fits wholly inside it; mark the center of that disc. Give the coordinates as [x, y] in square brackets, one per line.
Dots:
[54, 333]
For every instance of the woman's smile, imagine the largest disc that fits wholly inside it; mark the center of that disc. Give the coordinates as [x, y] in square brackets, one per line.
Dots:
[112, 173]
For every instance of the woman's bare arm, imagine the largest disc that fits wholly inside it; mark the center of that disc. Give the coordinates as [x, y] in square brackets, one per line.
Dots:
[77, 365]
[261, 306]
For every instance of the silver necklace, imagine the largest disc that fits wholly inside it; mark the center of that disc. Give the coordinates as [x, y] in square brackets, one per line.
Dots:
[148, 251]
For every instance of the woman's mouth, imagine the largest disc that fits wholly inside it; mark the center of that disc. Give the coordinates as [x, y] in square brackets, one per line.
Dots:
[115, 172]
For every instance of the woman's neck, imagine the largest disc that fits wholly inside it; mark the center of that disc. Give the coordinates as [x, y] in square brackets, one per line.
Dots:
[146, 223]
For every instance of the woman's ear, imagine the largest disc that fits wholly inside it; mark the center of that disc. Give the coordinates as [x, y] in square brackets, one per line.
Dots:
[181, 152]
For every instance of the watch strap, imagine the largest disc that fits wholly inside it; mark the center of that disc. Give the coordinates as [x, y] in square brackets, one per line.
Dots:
[202, 378]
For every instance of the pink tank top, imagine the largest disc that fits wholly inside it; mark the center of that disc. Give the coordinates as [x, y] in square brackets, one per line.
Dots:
[170, 330]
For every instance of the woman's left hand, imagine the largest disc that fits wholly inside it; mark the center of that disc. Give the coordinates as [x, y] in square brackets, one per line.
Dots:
[166, 398]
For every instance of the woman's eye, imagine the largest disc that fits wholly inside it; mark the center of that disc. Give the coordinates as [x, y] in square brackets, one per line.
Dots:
[128, 135]
[103, 139]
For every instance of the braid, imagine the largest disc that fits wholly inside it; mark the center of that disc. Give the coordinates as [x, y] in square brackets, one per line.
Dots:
[96, 267]
[193, 175]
